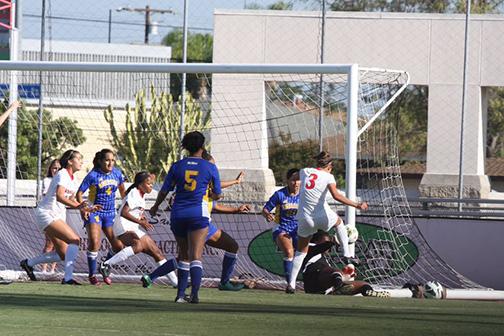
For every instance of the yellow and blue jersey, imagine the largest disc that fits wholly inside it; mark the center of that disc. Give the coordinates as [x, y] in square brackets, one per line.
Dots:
[286, 207]
[102, 187]
[191, 177]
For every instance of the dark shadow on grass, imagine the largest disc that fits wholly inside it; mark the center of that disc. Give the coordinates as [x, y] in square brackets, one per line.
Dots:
[127, 305]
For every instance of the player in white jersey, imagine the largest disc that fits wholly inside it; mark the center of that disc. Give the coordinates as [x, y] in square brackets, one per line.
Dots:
[51, 218]
[315, 214]
[129, 228]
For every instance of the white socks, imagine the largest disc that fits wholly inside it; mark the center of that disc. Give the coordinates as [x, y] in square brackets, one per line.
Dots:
[296, 267]
[70, 255]
[341, 233]
[45, 258]
[120, 256]
[172, 277]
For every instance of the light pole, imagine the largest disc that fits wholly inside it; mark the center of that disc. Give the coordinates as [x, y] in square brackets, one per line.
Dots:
[109, 25]
[148, 12]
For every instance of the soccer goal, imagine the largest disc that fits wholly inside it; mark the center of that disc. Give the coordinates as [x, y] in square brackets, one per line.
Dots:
[260, 119]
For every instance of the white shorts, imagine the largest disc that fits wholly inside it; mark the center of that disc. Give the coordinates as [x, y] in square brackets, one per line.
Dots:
[122, 226]
[47, 217]
[324, 221]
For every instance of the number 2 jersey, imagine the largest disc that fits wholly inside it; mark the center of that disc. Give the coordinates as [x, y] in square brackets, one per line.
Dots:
[313, 192]
[191, 177]
[102, 188]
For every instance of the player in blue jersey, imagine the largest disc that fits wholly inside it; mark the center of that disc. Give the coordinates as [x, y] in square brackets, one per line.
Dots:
[285, 202]
[102, 181]
[190, 217]
[217, 238]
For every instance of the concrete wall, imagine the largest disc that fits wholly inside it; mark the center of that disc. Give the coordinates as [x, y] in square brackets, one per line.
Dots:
[428, 46]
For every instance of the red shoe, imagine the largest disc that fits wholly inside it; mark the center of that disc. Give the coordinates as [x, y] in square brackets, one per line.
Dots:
[107, 280]
[93, 280]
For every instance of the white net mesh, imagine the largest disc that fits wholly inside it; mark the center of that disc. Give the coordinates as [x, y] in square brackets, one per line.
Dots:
[263, 124]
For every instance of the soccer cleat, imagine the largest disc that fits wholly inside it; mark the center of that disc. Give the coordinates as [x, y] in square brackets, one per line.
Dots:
[194, 299]
[146, 281]
[70, 282]
[228, 286]
[107, 280]
[28, 269]
[378, 294]
[351, 260]
[290, 290]
[93, 280]
[104, 270]
[184, 299]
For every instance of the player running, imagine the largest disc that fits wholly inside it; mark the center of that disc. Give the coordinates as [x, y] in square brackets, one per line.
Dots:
[190, 216]
[51, 217]
[102, 181]
[216, 237]
[285, 201]
[128, 229]
[315, 214]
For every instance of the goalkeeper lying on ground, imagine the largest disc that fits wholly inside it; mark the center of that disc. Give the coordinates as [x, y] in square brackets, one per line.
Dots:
[320, 277]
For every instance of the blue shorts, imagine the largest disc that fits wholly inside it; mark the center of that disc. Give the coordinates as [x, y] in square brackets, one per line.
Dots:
[181, 226]
[104, 220]
[292, 234]
[212, 229]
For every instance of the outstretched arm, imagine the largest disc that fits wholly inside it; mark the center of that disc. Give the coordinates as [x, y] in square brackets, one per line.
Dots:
[160, 198]
[244, 208]
[238, 180]
[8, 112]
[342, 199]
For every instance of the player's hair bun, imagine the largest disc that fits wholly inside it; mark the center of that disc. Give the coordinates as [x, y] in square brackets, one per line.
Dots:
[323, 159]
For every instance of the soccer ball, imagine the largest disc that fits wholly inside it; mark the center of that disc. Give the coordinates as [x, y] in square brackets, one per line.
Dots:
[352, 234]
[434, 290]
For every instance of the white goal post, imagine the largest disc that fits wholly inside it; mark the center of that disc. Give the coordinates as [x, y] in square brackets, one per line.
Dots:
[351, 70]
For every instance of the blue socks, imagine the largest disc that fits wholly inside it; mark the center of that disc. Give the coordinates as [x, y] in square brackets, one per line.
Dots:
[164, 268]
[110, 254]
[228, 264]
[196, 270]
[183, 278]
[287, 265]
[91, 260]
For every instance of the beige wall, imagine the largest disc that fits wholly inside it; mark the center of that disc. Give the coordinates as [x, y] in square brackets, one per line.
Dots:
[428, 46]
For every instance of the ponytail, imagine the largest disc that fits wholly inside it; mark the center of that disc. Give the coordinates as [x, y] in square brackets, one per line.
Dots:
[139, 179]
[67, 156]
[323, 159]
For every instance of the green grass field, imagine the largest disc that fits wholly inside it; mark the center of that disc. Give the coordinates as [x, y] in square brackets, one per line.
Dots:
[52, 309]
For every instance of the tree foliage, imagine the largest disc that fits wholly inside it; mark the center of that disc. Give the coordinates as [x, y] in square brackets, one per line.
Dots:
[58, 135]
[199, 50]
[285, 154]
[410, 116]
[279, 5]
[151, 139]
[495, 130]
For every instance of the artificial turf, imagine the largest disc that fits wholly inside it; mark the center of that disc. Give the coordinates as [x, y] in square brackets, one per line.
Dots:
[52, 309]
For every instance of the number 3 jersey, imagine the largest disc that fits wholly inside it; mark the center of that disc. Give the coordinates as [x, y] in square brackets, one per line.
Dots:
[191, 177]
[313, 192]
[102, 188]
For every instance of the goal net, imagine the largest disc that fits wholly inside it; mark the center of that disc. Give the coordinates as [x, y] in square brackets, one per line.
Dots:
[262, 120]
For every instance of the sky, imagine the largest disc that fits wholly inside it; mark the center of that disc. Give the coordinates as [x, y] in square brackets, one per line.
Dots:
[126, 27]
